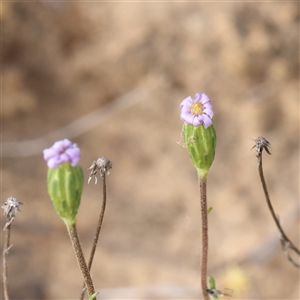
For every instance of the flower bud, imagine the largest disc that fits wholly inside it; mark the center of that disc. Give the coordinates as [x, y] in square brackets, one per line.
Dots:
[65, 184]
[198, 131]
[65, 179]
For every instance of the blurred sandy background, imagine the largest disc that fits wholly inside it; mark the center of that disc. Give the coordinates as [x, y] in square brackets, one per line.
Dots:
[132, 64]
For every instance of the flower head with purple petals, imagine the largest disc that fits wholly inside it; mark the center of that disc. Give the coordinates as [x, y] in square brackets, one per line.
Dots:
[62, 152]
[197, 111]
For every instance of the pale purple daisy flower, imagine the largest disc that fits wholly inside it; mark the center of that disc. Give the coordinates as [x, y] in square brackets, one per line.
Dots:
[197, 111]
[62, 152]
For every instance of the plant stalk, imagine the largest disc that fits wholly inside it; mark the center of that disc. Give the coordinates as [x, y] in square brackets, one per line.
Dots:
[203, 206]
[5, 253]
[98, 229]
[80, 258]
[285, 241]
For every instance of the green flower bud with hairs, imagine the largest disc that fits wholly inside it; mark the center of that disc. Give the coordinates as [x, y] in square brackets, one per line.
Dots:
[65, 179]
[198, 131]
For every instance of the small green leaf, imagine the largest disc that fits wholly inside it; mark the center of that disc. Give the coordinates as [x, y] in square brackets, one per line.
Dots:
[212, 286]
[209, 210]
[211, 282]
[93, 297]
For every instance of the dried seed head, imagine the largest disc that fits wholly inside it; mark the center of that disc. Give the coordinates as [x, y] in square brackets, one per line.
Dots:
[10, 208]
[262, 144]
[103, 165]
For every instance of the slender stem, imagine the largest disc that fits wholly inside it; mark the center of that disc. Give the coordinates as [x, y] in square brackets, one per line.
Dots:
[10, 207]
[80, 259]
[5, 253]
[202, 188]
[99, 225]
[284, 238]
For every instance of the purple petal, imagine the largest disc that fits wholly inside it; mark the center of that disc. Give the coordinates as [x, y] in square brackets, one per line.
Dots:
[67, 143]
[207, 121]
[189, 99]
[48, 153]
[74, 154]
[184, 115]
[53, 162]
[58, 146]
[186, 102]
[209, 112]
[204, 99]
[75, 161]
[197, 97]
[189, 119]
[64, 158]
[197, 122]
[207, 105]
[186, 109]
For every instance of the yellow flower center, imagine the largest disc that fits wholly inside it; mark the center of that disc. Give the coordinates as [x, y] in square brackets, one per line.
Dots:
[196, 109]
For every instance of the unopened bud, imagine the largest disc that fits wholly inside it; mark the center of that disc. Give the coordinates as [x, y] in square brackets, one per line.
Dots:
[65, 184]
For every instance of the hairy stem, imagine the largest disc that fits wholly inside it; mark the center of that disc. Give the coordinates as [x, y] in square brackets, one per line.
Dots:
[80, 259]
[5, 253]
[99, 225]
[202, 188]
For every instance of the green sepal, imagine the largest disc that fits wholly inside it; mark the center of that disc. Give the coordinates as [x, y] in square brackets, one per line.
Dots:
[201, 144]
[65, 184]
